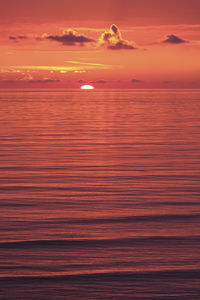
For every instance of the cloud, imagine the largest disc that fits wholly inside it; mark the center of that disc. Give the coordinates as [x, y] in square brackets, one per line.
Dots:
[44, 81]
[9, 81]
[100, 81]
[120, 46]
[30, 81]
[72, 62]
[19, 37]
[22, 37]
[168, 82]
[70, 38]
[136, 80]
[112, 39]
[173, 39]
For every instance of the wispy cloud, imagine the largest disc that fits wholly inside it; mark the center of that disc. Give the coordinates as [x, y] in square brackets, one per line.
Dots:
[90, 65]
[72, 66]
[47, 68]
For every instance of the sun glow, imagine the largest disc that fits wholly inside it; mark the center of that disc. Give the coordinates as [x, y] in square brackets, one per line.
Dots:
[87, 87]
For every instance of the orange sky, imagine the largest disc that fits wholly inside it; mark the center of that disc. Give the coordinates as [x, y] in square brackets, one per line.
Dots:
[108, 43]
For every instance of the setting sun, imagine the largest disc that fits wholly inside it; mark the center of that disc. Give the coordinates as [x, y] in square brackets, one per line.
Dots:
[87, 87]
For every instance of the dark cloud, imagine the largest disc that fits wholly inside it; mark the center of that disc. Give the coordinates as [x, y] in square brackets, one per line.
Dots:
[9, 81]
[19, 37]
[167, 82]
[44, 81]
[100, 81]
[81, 81]
[173, 39]
[112, 40]
[22, 37]
[115, 29]
[12, 37]
[136, 80]
[120, 46]
[30, 81]
[70, 38]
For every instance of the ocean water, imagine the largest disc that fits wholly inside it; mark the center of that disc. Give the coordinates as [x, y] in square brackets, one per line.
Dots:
[100, 194]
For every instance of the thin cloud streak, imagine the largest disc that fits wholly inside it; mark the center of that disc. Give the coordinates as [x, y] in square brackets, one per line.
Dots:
[77, 67]
[104, 66]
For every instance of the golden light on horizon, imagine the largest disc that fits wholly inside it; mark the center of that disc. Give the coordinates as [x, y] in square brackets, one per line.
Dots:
[87, 87]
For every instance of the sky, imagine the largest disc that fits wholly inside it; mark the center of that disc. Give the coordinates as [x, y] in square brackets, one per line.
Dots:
[107, 43]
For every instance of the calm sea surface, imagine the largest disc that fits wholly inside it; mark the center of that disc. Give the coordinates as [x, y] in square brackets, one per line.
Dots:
[100, 194]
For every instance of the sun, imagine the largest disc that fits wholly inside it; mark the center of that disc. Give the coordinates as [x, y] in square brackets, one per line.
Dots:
[87, 87]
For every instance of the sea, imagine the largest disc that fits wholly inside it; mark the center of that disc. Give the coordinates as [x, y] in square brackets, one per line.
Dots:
[100, 194]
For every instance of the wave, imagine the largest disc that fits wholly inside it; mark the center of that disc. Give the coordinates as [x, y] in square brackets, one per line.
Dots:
[159, 218]
[119, 219]
[112, 275]
[129, 219]
[152, 240]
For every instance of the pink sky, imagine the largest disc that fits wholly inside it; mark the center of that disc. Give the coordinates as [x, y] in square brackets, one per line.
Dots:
[131, 44]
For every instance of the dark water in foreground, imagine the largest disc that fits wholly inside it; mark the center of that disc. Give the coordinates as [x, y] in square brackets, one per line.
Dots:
[100, 194]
